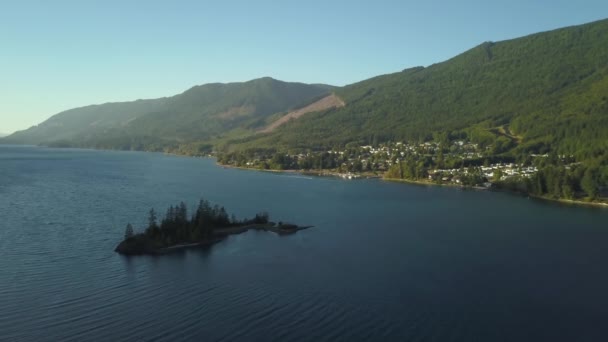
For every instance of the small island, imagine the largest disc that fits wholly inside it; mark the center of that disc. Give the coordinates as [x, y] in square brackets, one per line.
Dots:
[208, 225]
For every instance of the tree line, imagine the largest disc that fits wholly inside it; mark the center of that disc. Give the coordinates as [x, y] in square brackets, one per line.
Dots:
[177, 226]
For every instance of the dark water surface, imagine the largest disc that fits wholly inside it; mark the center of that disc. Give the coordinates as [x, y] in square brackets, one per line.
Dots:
[385, 262]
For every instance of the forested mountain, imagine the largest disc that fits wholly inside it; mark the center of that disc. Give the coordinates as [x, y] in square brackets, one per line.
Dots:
[536, 94]
[199, 114]
[87, 122]
[547, 91]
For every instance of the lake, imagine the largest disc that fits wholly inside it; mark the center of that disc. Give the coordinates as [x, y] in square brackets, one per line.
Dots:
[384, 262]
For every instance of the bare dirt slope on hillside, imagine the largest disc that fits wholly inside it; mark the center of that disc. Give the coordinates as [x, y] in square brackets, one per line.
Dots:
[331, 101]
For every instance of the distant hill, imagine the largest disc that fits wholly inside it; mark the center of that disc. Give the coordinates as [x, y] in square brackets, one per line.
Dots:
[546, 91]
[199, 114]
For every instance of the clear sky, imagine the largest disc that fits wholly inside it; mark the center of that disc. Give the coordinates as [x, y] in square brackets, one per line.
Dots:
[60, 54]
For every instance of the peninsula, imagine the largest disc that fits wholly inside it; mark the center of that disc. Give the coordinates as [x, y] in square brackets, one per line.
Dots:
[208, 225]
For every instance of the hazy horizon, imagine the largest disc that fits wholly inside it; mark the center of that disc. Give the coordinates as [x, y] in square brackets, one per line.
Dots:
[66, 55]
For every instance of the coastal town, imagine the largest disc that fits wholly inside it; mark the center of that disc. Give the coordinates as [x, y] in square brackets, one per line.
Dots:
[428, 161]
[456, 163]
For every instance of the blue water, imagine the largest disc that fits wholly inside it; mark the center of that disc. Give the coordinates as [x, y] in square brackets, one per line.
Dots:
[385, 262]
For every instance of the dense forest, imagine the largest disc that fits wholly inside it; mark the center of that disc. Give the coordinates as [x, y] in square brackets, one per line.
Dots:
[536, 94]
[558, 181]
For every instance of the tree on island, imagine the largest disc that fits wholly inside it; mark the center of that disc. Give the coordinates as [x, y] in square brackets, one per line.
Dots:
[177, 227]
[206, 226]
[129, 232]
[152, 219]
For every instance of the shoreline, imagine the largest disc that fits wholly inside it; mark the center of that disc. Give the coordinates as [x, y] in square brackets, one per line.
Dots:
[542, 198]
[316, 173]
[224, 166]
[603, 205]
[419, 182]
[427, 183]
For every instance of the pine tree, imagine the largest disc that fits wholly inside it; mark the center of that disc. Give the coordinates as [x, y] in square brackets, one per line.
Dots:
[169, 220]
[152, 219]
[182, 213]
[129, 232]
[589, 183]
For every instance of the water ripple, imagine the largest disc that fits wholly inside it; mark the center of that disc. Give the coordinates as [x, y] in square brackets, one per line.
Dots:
[385, 263]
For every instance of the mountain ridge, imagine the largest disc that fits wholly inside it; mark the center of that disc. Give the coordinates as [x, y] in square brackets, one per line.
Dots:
[546, 89]
[219, 106]
[556, 77]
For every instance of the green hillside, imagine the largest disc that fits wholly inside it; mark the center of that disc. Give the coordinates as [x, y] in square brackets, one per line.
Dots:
[543, 92]
[201, 113]
[86, 121]
[547, 92]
